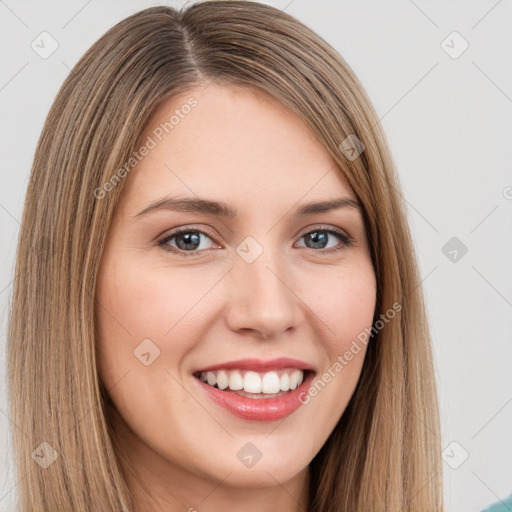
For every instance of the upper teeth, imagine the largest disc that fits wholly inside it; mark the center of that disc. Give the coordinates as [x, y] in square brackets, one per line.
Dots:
[254, 382]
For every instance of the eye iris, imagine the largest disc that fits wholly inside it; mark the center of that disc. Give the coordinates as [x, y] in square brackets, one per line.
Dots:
[318, 238]
[191, 238]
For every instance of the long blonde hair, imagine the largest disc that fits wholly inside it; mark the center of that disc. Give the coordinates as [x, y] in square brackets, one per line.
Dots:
[384, 454]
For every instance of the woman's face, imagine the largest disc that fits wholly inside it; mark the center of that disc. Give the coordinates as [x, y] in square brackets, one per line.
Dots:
[263, 297]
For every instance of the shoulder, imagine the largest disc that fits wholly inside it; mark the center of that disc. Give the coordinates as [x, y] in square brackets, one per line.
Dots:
[504, 505]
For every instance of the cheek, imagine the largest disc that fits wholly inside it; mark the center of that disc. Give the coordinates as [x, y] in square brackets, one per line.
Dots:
[346, 304]
[150, 309]
[353, 316]
[132, 308]
[147, 309]
[346, 309]
[146, 301]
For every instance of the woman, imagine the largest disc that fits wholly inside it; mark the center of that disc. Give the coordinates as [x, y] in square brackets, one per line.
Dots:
[217, 302]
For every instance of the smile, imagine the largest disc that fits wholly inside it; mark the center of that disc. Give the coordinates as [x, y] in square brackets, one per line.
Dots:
[251, 383]
[270, 394]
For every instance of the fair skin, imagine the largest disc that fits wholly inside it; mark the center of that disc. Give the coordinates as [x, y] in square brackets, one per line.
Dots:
[297, 299]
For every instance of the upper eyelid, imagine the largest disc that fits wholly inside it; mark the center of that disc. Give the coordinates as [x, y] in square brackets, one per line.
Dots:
[186, 229]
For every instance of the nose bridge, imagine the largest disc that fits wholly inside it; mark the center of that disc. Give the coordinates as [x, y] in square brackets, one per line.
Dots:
[263, 298]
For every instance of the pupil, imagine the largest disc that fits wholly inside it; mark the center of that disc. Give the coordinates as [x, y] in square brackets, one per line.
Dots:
[319, 239]
[191, 240]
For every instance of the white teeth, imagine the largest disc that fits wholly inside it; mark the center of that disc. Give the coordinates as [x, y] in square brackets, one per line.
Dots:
[268, 383]
[211, 378]
[285, 382]
[236, 382]
[222, 379]
[294, 379]
[252, 382]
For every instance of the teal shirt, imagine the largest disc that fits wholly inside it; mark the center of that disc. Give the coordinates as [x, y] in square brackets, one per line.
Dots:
[502, 506]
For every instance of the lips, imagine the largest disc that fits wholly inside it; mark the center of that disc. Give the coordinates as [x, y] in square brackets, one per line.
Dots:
[258, 365]
[254, 389]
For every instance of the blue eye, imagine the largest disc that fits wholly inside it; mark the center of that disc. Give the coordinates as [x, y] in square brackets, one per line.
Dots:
[319, 238]
[188, 242]
[185, 240]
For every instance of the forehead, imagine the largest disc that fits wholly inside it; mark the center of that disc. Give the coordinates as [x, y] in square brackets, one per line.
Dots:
[232, 143]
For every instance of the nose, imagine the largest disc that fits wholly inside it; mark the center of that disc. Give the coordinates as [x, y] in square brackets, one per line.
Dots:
[264, 301]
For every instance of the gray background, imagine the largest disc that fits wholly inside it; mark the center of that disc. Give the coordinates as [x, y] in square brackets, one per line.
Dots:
[448, 122]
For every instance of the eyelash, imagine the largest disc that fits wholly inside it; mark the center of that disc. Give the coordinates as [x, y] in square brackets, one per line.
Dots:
[346, 240]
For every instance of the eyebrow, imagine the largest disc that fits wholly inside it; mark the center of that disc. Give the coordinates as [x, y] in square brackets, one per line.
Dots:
[221, 209]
